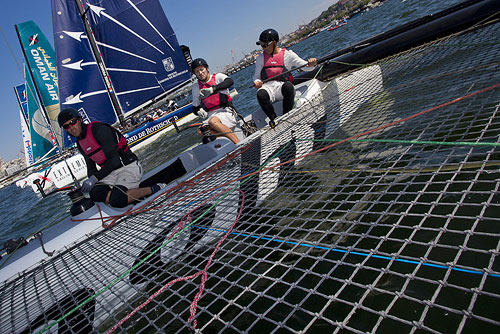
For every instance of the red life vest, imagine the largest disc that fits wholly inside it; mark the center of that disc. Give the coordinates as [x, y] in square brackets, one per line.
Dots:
[93, 150]
[214, 101]
[274, 65]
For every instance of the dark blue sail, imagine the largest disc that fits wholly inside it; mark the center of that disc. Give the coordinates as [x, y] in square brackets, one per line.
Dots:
[139, 48]
[80, 83]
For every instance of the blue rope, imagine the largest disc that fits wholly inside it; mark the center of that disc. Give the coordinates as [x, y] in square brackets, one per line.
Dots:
[468, 271]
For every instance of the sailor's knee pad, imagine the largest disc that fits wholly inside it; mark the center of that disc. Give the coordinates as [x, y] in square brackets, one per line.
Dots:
[288, 92]
[99, 193]
[264, 100]
[263, 95]
[118, 197]
[288, 89]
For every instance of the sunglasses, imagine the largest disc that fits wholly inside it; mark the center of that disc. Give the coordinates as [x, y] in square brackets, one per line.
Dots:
[265, 45]
[71, 123]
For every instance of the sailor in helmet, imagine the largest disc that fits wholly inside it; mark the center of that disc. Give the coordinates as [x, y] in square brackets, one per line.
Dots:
[117, 180]
[211, 101]
[269, 65]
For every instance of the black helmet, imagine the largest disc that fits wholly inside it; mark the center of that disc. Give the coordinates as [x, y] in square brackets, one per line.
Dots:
[267, 36]
[198, 62]
[66, 115]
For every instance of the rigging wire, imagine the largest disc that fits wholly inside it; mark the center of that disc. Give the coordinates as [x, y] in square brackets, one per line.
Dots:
[245, 178]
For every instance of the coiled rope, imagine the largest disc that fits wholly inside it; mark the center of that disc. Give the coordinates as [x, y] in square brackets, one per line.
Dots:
[204, 275]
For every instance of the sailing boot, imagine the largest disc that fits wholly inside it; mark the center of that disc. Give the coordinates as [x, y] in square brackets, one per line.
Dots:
[265, 103]
[207, 136]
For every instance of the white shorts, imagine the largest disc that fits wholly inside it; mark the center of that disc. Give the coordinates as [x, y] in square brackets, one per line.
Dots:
[225, 115]
[273, 88]
[128, 176]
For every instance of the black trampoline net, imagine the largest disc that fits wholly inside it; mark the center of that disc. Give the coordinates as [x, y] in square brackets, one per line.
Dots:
[374, 207]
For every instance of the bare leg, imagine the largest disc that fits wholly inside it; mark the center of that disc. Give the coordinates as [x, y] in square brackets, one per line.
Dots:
[138, 193]
[107, 197]
[217, 127]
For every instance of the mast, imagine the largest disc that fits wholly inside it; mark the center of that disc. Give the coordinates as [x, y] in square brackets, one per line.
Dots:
[100, 63]
[40, 100]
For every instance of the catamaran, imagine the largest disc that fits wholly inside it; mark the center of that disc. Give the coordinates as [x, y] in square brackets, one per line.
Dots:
[371, 206]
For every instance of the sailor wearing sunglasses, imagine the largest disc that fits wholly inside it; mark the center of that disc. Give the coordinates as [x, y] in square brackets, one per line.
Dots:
[268, 66]
[117, 180]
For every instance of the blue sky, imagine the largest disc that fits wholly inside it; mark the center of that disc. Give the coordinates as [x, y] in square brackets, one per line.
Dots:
[210, 28]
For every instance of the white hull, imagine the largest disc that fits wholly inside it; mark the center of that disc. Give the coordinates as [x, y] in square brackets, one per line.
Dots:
[57, 175]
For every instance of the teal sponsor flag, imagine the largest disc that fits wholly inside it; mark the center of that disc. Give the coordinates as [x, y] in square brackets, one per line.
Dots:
[41, 139]
[41, 60]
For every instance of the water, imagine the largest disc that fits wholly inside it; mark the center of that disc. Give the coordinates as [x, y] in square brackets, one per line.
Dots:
[23, 213]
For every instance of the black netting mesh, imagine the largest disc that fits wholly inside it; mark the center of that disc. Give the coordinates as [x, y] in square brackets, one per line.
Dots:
[372, 208]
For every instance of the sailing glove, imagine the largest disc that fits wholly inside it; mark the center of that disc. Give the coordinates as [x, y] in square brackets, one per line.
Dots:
[89, 184]
[206, 92]
[202, 113]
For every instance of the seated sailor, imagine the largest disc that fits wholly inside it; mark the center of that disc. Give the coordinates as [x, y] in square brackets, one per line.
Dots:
[117, 180]
[211, 100]
[268, 66]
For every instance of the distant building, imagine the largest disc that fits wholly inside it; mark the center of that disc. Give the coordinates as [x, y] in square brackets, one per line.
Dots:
[12, 169]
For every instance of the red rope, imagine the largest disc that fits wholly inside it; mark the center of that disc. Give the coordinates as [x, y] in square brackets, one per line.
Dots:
[182, 187]
[43, 178]
[204, 275]
[190, 183]
[64, 188]
[445, 104]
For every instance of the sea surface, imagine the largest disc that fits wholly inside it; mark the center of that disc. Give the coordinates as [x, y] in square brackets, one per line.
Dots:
[22, 213]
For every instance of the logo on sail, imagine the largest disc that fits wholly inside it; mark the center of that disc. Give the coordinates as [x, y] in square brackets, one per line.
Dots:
[84, 116]
[168, 63]
[33, 39]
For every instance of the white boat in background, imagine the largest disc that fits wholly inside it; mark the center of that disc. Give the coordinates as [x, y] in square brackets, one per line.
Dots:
[326, 27]
[59, 175]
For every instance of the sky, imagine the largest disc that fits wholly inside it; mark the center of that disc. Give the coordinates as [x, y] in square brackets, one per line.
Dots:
[211, 29]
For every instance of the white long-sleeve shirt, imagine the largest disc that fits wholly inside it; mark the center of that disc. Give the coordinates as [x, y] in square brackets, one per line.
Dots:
[219, 77]
[291, 60]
